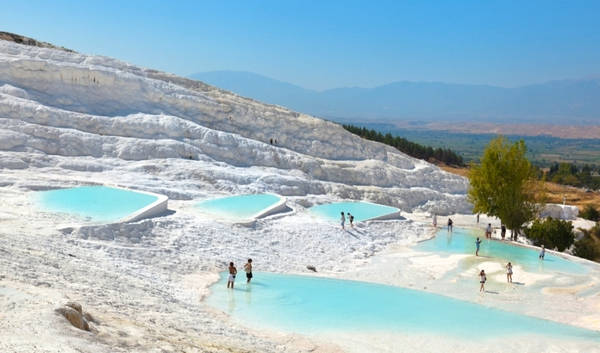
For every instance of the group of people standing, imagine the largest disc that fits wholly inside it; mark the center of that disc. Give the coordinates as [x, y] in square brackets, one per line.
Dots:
[450, 223]
[509, 266]
[349, 217]
[483, 277]
[233, 273]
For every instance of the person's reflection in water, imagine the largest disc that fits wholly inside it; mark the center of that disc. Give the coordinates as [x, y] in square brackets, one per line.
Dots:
[231, 301]
[248, 294]
[449, 238]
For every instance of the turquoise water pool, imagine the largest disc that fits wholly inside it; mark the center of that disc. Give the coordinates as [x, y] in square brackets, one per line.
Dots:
[360, 210]
[462, 241]
[315, 305]
[239, 207]
[99, 203]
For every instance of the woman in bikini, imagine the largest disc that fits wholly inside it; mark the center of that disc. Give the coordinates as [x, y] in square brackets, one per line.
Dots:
[509, 272]
[482, 280]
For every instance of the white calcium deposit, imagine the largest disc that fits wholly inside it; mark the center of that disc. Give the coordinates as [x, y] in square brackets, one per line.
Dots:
[68, 119]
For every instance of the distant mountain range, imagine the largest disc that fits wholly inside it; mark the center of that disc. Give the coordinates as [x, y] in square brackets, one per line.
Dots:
[555, 102]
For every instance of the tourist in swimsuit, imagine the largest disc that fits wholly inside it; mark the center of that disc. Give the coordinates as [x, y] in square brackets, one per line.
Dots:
[542, 253]
[477, 244]
[503, 231]
[351, 218]
[248, 269]
[488, 231]
[232, 273]
[509, 272]
[343, 220]
[450, 224]
[482, 280]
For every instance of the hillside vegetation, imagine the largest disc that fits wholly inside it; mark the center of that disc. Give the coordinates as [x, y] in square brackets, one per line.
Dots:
[428, 153]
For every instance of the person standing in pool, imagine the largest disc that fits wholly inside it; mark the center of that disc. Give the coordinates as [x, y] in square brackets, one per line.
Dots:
[351, 219]
[248, 269]
[232, 273]
[450, 223]
[477, 244]
[509, 272]
[482, 279]
[488, 231]
[343, 220]
[543, 252]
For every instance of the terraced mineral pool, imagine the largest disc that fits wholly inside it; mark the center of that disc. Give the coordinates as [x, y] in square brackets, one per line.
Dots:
[361, 211]
[313, 305]
[462, 241]
[99, 203]
[240, 206]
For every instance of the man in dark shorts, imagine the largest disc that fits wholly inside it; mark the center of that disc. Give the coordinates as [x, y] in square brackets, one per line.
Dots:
[248, 269]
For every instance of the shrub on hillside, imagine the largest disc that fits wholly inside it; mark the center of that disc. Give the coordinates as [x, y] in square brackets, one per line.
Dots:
[586, 247]
[591, 213]
[552, 233]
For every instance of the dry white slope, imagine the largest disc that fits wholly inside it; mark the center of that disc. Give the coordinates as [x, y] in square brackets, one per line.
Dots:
[67, 104]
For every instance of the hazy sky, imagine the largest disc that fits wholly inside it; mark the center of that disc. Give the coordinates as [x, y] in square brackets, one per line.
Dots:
[326, 44]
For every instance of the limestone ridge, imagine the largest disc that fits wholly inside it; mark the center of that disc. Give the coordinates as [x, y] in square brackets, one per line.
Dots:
[17, 38]
[56, 103]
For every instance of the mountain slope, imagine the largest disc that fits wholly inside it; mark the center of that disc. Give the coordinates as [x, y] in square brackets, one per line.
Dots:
[68, 104]
[551, 102]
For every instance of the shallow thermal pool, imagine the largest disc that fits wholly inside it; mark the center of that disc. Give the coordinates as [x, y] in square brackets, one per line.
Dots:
[361, 211]
[240, 206]
[99, 203]
[316, 305]
[462, 241]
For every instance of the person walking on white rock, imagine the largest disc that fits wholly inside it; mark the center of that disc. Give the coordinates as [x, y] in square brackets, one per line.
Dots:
[509, 272]
[482, 279]
[351, 219]
[232, 273]
[343, 220]
[434, 220]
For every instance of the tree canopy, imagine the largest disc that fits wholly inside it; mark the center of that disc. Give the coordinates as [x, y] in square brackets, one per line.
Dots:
[504, 184]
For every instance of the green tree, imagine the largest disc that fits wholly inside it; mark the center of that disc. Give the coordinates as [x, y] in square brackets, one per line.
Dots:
[504, 184]
[590, 212]
[589, 245]
[586, 247]
[552, 233]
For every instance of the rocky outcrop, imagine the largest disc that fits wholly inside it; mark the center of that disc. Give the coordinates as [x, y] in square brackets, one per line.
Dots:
[17, 38]
[73, 312]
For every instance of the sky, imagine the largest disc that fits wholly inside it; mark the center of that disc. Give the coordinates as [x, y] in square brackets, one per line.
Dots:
[328, 44]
